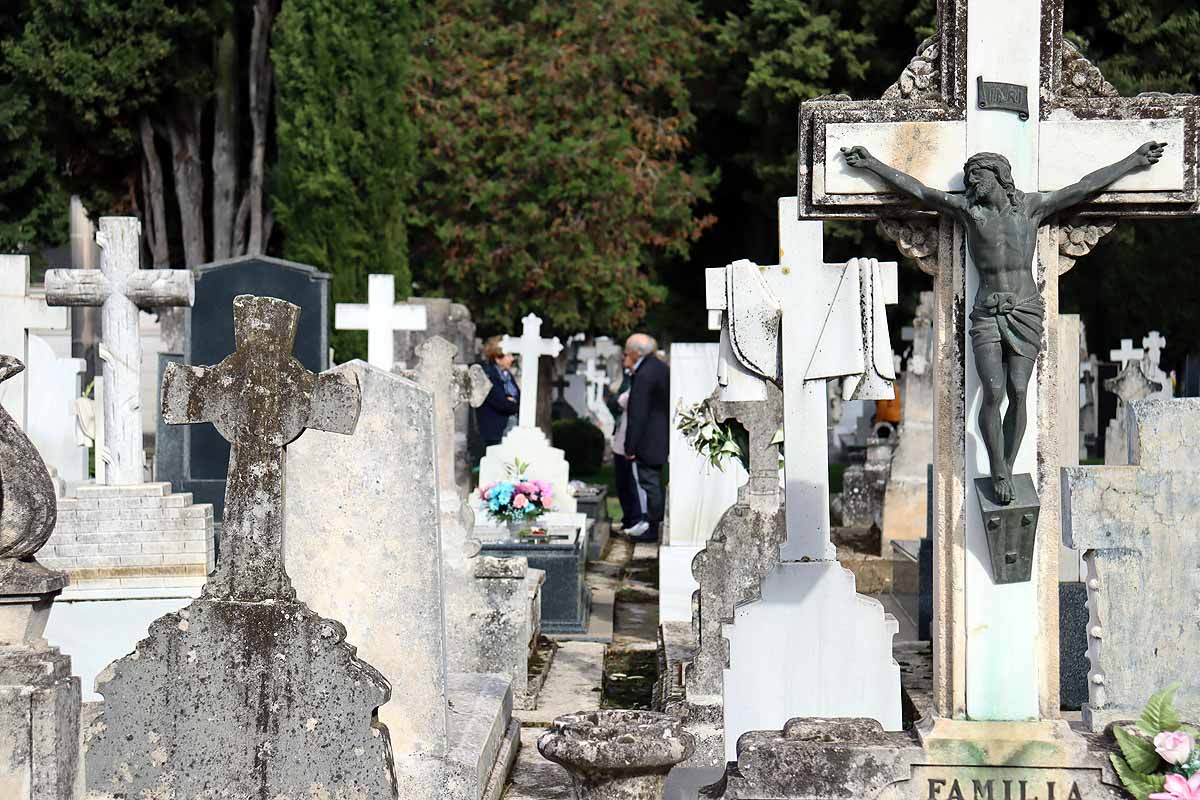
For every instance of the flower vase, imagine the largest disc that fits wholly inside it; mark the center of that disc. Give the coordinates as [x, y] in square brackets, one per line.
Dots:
[515, 526]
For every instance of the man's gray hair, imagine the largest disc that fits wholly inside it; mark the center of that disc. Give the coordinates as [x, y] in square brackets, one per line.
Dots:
[641, 343]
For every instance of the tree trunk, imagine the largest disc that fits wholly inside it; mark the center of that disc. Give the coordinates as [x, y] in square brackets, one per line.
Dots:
[154, 213]
[262, 80]
[183, 128]
[225, 130]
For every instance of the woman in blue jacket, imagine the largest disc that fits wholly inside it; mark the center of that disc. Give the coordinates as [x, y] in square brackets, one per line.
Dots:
[504, 399]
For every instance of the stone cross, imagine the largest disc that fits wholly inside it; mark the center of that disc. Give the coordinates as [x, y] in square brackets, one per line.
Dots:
[1126, 353]
[1154, 344]
[20, 313]
[120, 288]
[530, 347]
[451, 384]
[926, 125]
[799, 324]
[381, 317]
[260, 399]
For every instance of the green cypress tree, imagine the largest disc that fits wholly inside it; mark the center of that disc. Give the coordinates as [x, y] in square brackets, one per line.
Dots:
[345, 144]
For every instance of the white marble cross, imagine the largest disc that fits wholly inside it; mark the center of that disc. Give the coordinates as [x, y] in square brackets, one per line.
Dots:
[20, 313]
[530, 347]
[1126, 353]
[120, 288]
[820, 330]
[381, 317]
[1154, 344]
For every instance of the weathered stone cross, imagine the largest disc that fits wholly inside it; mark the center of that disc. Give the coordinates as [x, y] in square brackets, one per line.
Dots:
[1126, 353]
[451, 385]
[530, 347]
[260, 399]
[381, 317]
[120, 288]
[926, 125]
[18, 314]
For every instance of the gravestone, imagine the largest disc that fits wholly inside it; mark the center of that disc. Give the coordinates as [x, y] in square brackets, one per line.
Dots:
[904, 508]
[54, 426]
[699, 493]
[492, 606]
[370, 498]
[39, 698]
[210, 338]
[444, 318]
[526, 441]
[829, 318]
[247, 688]
[21, 312]
[1135, 526]
[381, 317]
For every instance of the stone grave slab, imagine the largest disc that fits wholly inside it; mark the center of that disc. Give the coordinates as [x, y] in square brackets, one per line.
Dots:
[1134, 524]
[53, 426]
[209, 337]
[247, 689]
[368, 497]
[492, 605]
[566, 597]
[21, 312]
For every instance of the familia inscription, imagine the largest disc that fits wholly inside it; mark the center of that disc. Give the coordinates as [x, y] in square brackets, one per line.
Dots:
[936, 782]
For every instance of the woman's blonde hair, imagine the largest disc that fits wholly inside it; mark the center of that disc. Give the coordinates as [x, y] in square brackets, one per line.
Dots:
[492, 350]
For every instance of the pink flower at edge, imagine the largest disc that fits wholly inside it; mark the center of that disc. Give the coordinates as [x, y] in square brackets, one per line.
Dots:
[1174, 746]
[520, 501]
[1179, 788]
[547, 501]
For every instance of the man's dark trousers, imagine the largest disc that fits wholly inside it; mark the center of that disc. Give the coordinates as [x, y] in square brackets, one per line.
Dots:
[650, 479]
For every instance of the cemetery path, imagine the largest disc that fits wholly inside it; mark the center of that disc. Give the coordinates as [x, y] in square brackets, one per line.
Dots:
[588, 675]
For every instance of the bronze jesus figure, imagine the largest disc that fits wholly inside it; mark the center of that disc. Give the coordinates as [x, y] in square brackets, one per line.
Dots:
[1006, 322]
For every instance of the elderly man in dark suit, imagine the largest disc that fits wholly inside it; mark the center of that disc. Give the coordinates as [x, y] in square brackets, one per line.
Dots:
[648, 431]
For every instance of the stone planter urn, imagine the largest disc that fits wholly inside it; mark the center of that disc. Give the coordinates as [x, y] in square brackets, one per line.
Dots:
[616, 754]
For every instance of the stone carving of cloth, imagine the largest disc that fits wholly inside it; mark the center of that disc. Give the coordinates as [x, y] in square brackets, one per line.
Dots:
[1016, 325]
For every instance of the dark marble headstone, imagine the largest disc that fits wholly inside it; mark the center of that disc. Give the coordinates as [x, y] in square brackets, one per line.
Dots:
[1072, 645]
[209, 338]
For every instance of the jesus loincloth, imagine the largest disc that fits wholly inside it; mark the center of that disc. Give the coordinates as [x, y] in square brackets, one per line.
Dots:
[1016, 325]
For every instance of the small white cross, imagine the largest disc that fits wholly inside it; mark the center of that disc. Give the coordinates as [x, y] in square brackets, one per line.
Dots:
[1154, 344]
[1126, 353]
[530, 347]
[381, 317]
[20, 313]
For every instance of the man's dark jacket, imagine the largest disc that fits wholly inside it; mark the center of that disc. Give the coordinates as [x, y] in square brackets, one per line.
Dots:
[497, 408]
[648, 431]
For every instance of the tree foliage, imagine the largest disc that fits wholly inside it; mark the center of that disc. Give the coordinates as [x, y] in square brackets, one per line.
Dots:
[552, 174]
[345, 144]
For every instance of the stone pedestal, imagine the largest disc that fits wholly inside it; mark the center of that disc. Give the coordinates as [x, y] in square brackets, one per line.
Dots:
[39, 698]
[132, 553]
[616, 755]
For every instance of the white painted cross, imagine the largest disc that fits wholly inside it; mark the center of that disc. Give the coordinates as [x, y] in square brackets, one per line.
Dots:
[530, 347]
[1075, 124]
[1126, 353]
[803, 323]
[381, 317]
[804, 355]
[20, 313]
[120, 288]
[1154, 344]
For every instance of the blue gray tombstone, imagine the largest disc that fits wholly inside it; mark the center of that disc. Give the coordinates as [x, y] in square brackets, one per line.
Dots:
[566, 597]
[195, 458]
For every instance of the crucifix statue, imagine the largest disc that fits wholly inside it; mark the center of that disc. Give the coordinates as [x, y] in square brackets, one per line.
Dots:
[997, 78]
[1001, 225]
